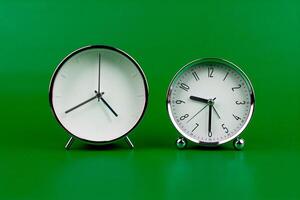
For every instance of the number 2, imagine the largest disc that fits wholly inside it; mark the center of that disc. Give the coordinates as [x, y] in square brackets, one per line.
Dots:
[237, 87]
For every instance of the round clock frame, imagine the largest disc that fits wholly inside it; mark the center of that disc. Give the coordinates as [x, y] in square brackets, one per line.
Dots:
[60, 65]
[238, 142]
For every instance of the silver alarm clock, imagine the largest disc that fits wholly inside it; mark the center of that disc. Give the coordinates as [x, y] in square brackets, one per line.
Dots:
[210, 101]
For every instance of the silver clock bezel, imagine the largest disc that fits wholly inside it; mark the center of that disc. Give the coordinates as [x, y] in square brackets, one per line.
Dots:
[216, 60]
[53, 77]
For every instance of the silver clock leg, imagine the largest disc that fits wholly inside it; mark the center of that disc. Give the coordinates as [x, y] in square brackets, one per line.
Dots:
[238, 143]
[128, 141]
[181, 143]
[69, 143]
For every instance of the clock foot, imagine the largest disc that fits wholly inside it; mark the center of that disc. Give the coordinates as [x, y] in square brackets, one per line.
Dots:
[238, 143]
[69, 143]
[128, 141]
[181, 143]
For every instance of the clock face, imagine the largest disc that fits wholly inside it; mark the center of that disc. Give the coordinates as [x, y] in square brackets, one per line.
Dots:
[98, 93]
[210, 101]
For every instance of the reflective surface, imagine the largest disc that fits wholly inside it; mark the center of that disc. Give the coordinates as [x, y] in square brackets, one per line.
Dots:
[207, 85]
[263, 37]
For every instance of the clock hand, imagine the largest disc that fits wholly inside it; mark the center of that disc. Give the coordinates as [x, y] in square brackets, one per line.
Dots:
[110, 108]
[99, 65]
[81, 104]
[205, 101]
[100, 96]
[216, 112]
[209, 120]
[199, 99]
[196, 113]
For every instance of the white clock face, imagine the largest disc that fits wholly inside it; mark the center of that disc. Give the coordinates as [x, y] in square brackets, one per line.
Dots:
[98, 93]
[210, 101]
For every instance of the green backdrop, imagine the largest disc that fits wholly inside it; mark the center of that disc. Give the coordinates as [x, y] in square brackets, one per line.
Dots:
[262, 37]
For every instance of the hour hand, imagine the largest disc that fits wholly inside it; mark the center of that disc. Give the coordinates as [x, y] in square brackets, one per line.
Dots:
[109, 107]
[100, 96]
[199, 99]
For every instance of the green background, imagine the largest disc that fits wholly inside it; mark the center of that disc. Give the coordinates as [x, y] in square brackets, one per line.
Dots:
[262, 37]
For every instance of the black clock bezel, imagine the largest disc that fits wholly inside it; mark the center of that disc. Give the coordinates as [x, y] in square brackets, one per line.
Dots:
[54, 75]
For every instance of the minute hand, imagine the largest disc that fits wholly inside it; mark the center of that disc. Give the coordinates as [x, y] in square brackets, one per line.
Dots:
[99, 65]
[81, 104]
[209, 121]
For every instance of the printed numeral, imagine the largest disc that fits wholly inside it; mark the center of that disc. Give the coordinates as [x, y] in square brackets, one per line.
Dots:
[183, 117]
[210, 72]
[184, 86]
[179, 101]
[226, 76]
[237, 87]
[240, 102]
[196, 76]
[195, 127]
[236, 117]
[225, 128]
